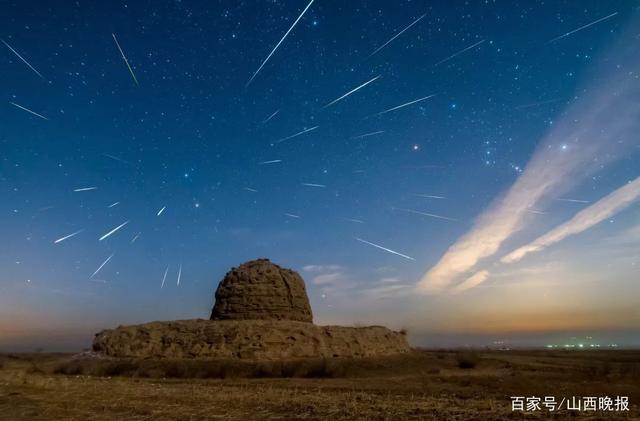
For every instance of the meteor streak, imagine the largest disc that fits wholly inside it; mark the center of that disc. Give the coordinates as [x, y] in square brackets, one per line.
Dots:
[384, 248]
[125, 59]
[582, 27]
[21, 58]
[28, 110]
[133, 240]
[431, 215]
[291, 215]
[368, 134]
[113, 231]
[313, 185]
[397, 35]
[179, 275]
[270, 117]
[296, 135]
[273, 161]
[161, 211]
[350, 92]
[535, 104]
[430, 196]
[406, 104]
[164, 278]
[85, 189]
[459, 52]
[101, 266]
[278, 44]
[59, 240]
[574, 200]
[115, 158]
[113, 204]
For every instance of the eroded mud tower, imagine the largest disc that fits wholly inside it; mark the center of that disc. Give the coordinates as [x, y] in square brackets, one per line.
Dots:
[261, 290]
[261, 312]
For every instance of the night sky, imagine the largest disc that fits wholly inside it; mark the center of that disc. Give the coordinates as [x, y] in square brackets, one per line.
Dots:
[480, 128]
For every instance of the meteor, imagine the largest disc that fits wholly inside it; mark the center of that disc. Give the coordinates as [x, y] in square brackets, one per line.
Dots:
[164, 278]
[574, 200]
[406, 104]
[28, 110]
[125, 59]
[107, 235]
[384, 248]
[313, 185]
[101, 266]
[535, 104]
[350, 92]
[161, 211]
[115, 158]
[113, 204]
[459, 52]
[358, 221]
[179, 275]
[278, 44]
[582, 27]
[251, 190]
[270, 117]
[296, 135]
[430, 196]
[368, 134]
[291, 215]
[273, 161]
[133, 240]
[81, 189]
[59, 240]
[21, 58]
[397, 35]
[431, 215]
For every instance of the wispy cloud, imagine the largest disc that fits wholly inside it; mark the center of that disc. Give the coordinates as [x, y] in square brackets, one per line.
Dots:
[330, 279]
[321, 268]
[604, 208]
[597, 128]
[473, 281]
[385, 289]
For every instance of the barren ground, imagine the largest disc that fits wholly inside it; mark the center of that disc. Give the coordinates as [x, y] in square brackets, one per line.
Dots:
[421, 385]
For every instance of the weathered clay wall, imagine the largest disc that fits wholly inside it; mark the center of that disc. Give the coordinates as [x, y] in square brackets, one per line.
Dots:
[247, 339]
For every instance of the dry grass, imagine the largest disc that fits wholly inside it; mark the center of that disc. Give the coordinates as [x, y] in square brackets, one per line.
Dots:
[421, 385]
[193, 369]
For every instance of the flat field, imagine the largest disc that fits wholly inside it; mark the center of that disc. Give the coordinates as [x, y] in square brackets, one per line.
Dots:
[442, 385]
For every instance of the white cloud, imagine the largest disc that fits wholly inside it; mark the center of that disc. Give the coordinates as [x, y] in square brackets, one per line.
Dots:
[332, 278]
[389, 281]
[388, 287]
[473, 281]
[596, 129]
[321, 268]
[583, 220]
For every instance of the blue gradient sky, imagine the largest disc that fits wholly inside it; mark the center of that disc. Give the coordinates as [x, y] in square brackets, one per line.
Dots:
[191, 137]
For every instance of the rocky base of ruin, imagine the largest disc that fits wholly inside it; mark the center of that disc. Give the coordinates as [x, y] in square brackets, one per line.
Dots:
[247, 339]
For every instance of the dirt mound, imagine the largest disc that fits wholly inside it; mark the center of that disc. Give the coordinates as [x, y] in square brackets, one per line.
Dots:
[247, 339]
[261, 312]
[261, 290]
